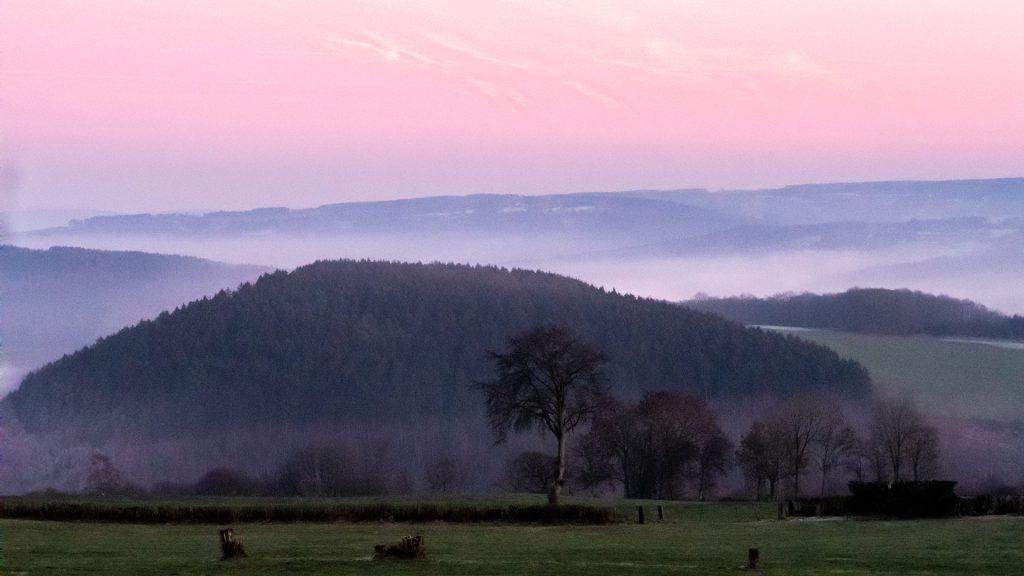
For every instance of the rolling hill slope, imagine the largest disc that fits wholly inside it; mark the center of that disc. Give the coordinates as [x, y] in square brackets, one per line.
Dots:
[947, 377]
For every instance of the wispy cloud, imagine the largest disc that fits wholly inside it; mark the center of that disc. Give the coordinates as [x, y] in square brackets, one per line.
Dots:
[653, 69]
[500, 93]
[795, 63]
[593, 94]
[460, 47]
[393, 46]
[667, 58]
[377, 44]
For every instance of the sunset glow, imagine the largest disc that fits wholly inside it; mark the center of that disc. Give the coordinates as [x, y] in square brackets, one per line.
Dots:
[178, 105]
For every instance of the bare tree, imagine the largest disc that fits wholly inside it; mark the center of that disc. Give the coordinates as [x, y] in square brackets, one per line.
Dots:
[614, 449]
[713, 447]
[762, 456]
[835, 442]
[103, 477]
[546, 377]
[667, 423]
[801, 421]
[659, 446]
[893, 426]
[532, 472]
[867, 461]
[923, 452]
[713, 450]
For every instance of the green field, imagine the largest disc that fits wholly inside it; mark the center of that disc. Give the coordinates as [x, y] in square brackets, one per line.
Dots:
[948, 378]
[711, 546]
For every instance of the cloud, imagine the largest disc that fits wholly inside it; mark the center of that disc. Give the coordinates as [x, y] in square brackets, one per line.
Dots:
[794, 63]
[392, 46]
[500, 93]
[378, 44]
[593, 94]
[667, 58]
[464, 49]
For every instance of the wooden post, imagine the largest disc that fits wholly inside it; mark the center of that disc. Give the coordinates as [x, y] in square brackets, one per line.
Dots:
[640, 514]
[753, 558]
[661, 512]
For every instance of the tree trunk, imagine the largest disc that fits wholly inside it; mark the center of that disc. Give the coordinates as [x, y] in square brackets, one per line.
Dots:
[796, 477]
[895, 455]
[556, 491]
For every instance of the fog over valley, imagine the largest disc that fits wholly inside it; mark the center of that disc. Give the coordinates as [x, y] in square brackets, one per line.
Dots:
[964, 238]
[68, 279]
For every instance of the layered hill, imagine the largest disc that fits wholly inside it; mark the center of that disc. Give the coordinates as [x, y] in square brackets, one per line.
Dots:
[869, 310]
[961, 237]
[54, 301]
[346, 341]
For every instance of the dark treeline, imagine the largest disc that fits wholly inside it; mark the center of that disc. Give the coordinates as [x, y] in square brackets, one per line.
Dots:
[666, 445]
[869, 310]
[347, 341]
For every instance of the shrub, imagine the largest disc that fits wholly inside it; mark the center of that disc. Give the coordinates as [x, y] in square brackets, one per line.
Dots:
[931, 499]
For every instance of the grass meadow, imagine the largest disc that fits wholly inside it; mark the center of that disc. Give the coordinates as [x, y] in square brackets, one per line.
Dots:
[711, 538]
[945, 377]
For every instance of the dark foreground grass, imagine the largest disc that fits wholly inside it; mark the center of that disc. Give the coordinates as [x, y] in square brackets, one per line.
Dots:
[975, 546]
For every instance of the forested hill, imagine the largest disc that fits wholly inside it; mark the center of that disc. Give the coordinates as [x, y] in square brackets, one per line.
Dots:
[337, 341]
[869, 310]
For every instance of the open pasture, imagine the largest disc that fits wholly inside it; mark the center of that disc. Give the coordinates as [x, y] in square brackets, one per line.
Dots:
[692, 540]
[965, 378]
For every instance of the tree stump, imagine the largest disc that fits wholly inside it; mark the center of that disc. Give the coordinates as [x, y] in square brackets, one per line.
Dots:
[231, 547]
[409, 547]
[753, 558]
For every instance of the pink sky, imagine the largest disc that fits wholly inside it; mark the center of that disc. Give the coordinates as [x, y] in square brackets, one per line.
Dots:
[203, 104]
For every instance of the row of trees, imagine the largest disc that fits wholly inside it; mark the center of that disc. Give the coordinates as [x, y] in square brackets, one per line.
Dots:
[797, 433]
[813, 433]
[667, 442]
